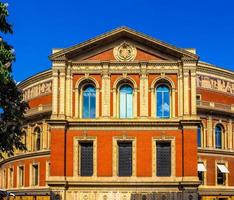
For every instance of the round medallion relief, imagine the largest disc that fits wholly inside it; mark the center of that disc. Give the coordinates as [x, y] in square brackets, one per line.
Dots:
[125, 52]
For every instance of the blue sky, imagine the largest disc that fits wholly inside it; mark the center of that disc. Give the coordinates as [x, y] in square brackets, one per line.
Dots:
[39, 26]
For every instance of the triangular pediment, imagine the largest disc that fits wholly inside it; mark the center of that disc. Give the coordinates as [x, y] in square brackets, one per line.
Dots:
[120, 44]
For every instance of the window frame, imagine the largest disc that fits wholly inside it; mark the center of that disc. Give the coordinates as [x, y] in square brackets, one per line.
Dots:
[85, 86]
[159, 139]
[225, 163]
[35, 138]
[156, 100]
[166, 81]
[221, 136]
[115, 157]
[11, 177]
[204, 162]
[119, 99]
[20, 180]
[76, 156]
[32, 175]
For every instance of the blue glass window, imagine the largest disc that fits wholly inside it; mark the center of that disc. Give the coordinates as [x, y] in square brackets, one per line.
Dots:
[126, 101]
[163, 101]
[199, 136]
[218, 137]
[89, 102]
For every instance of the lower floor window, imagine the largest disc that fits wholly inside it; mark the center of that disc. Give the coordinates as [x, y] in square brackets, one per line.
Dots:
[163, 155]
[125, 158]
[21, 176]
[86, 158]
[201, 177]
[221, 174]
[35, 174]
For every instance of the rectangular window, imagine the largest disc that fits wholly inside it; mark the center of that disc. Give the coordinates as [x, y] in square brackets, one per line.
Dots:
[125, 158]
[86, 158]
[221, 174]
[163, 158]
[11, 176]
[21, 176]
[35, 175]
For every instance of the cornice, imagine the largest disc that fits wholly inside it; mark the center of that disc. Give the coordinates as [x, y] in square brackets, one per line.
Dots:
[35, 78]
[25, 156]
[215, 152]
[215, 70]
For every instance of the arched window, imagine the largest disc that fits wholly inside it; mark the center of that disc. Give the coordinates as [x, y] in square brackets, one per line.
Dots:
[126, 101]
[89, 102]
[163, 101]
[199, 136]
[37, 139]
[218, 137]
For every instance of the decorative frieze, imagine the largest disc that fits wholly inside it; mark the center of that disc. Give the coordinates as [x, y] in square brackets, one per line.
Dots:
[37, 90]
[217, 84]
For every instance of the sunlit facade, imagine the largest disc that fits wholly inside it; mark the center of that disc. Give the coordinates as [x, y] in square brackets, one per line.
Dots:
[124, 116]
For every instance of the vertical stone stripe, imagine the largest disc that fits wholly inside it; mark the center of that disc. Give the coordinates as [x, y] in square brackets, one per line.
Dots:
[144, 96]
[55, 93]
[193, 93]
[44, 135]
[62, 94]
[186, 93]
[209, 132]
[29, 139]
[68, 92]
[105, 95]
[230, 136]
[180, 95]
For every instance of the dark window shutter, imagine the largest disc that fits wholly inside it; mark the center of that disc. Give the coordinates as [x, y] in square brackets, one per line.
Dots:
[163, 158]
[125, 158]
[86, 159]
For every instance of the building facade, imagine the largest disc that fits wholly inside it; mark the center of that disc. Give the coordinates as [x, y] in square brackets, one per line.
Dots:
[125, 116]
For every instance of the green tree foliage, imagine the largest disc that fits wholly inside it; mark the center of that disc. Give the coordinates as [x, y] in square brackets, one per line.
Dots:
[12, 106]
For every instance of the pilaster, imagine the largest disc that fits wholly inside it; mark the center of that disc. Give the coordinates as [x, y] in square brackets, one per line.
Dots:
[180, 93]
[186, 92]
[209, 132]
[143, 91]
[62, 95]
[44, 135]
[68, 92]
[193, 92]
[55, 94]
[230, 136]
[105, 91]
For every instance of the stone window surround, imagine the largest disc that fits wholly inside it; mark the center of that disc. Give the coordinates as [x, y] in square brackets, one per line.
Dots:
[204, 162]
[76, 157]
[31, 172]
[170, 139]
[221, 162]
[115, 154]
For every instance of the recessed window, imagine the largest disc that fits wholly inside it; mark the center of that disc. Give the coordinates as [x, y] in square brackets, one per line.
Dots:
[218, 137]
[89, 102]
[124, 158]
[11, 177]
[21, 176]
[86, 158]
[126, 101]
[35, 175]
[37, 139]
[163, 101]
[221, 174]
[163, 155]
[199, 136]
[201, 170]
